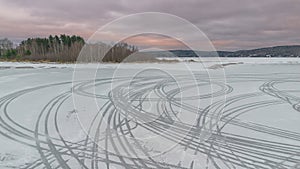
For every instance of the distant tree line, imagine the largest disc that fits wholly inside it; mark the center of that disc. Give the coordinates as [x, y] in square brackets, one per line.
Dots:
[6, 48]
[63, 48]
[118, 52]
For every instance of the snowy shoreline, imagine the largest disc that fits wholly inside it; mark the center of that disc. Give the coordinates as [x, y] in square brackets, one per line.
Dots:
[209, 61]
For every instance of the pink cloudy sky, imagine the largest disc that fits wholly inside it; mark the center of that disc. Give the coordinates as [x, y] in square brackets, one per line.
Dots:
[230, 24]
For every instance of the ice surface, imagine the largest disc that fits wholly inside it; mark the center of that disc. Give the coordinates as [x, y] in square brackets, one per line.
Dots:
[151, 115]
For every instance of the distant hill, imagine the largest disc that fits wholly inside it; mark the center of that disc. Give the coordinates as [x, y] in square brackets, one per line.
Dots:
[277, 51]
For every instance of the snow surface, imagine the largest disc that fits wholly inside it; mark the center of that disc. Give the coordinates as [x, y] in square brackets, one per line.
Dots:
[212, 113]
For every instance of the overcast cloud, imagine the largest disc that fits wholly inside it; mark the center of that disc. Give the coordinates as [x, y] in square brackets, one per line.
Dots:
[230, 24]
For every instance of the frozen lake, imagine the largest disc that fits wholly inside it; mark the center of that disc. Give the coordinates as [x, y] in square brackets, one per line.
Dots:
[237, 113]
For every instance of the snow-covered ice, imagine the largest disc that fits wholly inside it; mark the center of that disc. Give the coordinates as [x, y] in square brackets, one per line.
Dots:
[215, 113]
